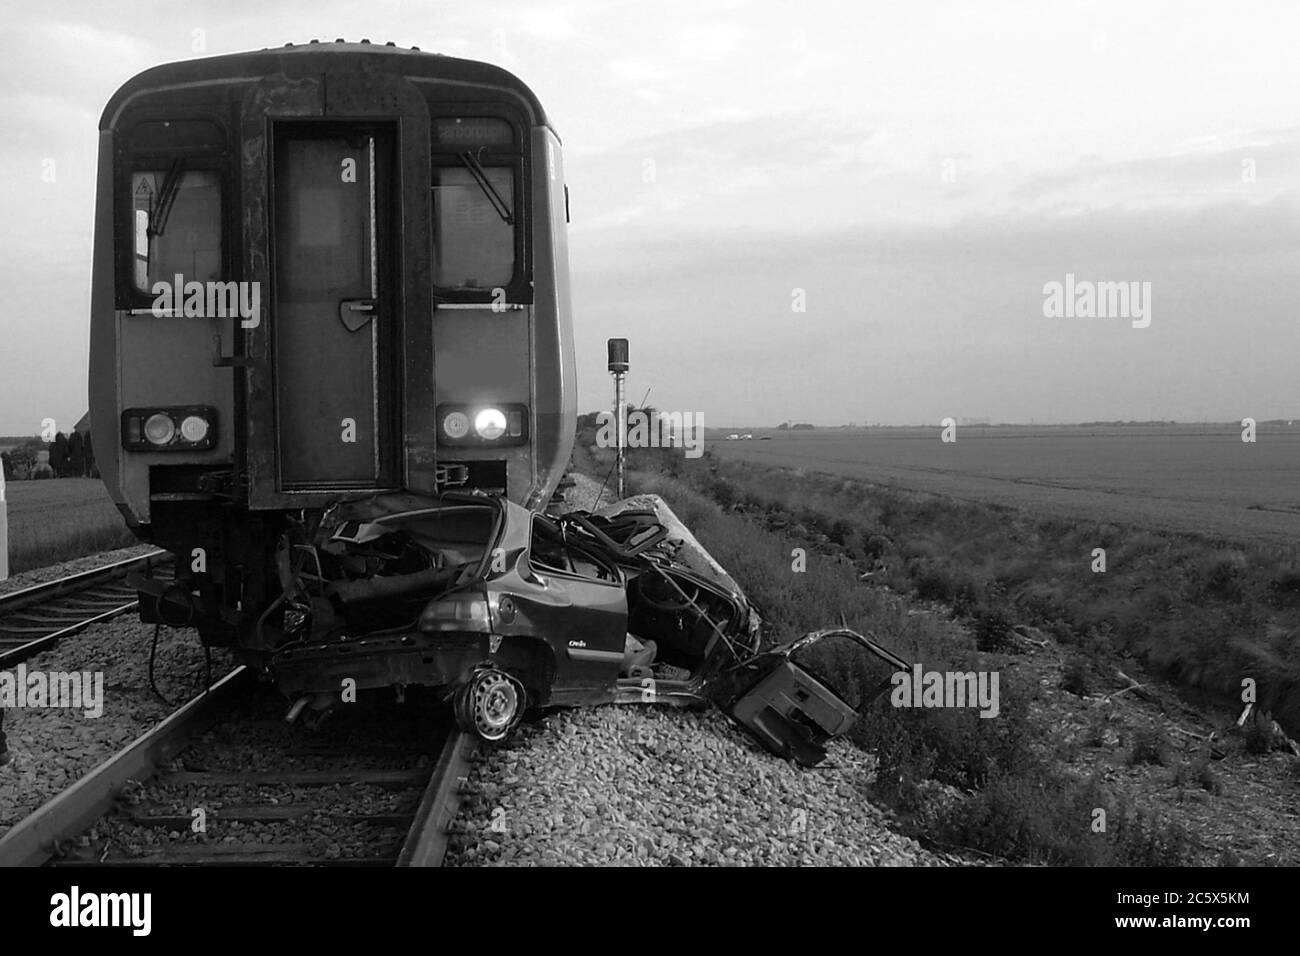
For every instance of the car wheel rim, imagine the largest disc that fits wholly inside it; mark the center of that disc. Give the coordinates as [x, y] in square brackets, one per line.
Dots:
[493, 700]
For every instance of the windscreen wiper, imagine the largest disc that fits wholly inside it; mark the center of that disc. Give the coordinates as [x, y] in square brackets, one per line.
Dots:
[480, 176]
[166, 198]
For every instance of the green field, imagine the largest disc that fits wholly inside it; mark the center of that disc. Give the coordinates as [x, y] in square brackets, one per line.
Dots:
[1185, 478]
[60, 519]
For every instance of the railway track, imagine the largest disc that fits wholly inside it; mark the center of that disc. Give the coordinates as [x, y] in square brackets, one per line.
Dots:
[35, 618]
[225, 782]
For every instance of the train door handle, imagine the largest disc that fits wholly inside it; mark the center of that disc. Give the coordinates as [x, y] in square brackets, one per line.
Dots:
[355, 313]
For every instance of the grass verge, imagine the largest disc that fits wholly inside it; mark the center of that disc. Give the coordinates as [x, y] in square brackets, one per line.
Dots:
[61, 519]
[955, 779]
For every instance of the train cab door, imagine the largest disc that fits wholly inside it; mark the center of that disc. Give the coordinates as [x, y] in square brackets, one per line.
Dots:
[334, 315]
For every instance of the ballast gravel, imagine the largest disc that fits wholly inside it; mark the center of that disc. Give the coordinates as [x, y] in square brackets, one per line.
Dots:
[52, 747]
[645, 786]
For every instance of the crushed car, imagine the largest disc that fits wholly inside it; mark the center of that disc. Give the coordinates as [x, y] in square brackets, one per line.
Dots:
[502, 610]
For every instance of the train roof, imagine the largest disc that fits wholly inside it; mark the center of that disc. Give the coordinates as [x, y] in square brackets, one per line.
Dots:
[297, 58]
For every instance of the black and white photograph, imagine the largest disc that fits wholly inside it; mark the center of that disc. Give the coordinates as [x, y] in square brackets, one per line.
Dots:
[717, 434]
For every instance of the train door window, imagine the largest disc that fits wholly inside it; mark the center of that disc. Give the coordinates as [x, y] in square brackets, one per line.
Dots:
[176, 225]
[477, 202]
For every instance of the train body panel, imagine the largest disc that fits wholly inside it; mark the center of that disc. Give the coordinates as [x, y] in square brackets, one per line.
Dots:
[555, 396]
[105, 367]
[310, 409]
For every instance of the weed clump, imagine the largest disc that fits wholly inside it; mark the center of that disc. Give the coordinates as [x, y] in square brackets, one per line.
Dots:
[1076, 676]
[993, 629]
[1148, 748]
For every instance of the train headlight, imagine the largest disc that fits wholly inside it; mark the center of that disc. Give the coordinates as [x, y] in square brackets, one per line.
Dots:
[159, 429]
[490, 423]
[182, 428]
[483, 425]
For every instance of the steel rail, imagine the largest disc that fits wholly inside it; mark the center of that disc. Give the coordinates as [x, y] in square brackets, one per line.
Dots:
[37, 837]
[43, 592]
[51, 591]
[426, 841]
[20, 653]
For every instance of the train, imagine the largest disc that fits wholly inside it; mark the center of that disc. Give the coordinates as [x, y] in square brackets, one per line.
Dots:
[323, 273]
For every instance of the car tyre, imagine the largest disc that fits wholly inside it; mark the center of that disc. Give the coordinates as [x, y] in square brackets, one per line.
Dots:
[490, 704]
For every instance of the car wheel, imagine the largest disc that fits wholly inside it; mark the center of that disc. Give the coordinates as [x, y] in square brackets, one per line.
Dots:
[490, 704]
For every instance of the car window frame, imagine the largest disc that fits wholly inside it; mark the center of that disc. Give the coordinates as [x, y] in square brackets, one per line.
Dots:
[598, 559]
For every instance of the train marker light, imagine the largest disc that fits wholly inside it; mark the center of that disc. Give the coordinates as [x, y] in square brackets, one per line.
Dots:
[456, 425]
[159, 429]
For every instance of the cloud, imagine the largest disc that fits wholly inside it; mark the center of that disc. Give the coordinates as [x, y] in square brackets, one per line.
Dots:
[639, 69]
[550, 22]
[903, 323]
[68, 59]
[740, 168]
[1213, 166]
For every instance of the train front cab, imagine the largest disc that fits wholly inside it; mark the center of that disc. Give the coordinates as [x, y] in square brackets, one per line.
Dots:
[394, 226]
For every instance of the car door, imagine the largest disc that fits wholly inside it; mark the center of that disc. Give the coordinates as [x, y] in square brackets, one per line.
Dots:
[578, 603]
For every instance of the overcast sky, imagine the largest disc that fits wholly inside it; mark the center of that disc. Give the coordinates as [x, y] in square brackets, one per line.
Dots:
[919, 170]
